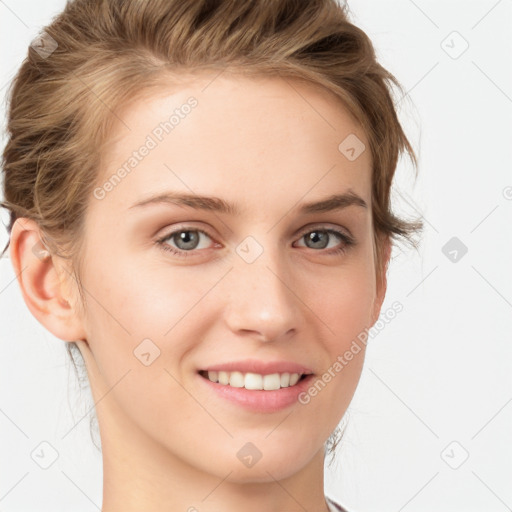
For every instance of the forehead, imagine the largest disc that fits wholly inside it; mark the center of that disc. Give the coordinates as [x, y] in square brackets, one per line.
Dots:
[215, 130]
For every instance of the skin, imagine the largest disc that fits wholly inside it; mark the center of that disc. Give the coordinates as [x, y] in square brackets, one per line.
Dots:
[168, 442]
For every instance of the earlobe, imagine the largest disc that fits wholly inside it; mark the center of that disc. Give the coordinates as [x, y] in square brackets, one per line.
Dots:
[42, 283]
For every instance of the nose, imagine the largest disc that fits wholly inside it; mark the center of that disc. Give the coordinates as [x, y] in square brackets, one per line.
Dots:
[260, 301]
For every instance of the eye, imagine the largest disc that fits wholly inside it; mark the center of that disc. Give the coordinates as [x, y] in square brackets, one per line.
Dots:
[185, 240]
[321, 238]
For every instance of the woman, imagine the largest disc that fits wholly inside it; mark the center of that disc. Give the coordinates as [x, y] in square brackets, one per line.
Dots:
[200, 203]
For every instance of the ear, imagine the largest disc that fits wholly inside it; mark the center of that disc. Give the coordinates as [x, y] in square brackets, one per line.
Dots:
[43, 284]
[382, 282]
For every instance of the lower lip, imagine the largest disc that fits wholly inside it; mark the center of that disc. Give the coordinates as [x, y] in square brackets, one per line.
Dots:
[260, 400]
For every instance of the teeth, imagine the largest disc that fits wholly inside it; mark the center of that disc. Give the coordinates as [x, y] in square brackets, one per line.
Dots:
[236, 379]
[294, 377]
[255, 380]
[271, 382]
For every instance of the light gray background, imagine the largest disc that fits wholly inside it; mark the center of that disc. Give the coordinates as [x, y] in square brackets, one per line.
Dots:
[437, 384]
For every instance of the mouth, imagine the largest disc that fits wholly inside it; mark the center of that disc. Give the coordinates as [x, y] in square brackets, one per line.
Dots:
[254, 381]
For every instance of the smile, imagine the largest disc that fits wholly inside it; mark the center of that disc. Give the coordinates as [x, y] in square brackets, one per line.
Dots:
[253, 381]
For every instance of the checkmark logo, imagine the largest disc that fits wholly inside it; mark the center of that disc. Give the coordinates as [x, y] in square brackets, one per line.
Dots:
[44, 455]
[454, 45]
[44, 45]
[454, 455]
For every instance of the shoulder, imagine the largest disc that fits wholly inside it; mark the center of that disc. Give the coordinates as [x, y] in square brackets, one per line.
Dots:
[334, 506]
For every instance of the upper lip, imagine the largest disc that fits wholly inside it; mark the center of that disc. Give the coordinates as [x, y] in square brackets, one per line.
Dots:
[261, 367]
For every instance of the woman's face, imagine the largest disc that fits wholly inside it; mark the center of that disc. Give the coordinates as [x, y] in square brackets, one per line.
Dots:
[263, 286]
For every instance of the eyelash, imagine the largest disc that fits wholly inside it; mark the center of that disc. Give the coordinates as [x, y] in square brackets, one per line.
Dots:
[347, 241]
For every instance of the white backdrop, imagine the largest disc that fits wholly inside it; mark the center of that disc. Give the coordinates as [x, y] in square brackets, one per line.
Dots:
[430, 425]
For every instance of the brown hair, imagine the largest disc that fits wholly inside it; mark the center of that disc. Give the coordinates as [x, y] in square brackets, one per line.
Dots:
[63, 104]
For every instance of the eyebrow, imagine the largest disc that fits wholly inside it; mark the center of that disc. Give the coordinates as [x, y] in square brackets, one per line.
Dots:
[216, 204]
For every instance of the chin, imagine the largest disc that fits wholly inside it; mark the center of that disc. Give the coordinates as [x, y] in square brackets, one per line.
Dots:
[272, 463]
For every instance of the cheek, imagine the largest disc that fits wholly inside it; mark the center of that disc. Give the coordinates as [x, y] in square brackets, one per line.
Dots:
[125, 305]
[344, 300]
[344, 304]
[141, 324]
[141, 299]
[135, 308]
